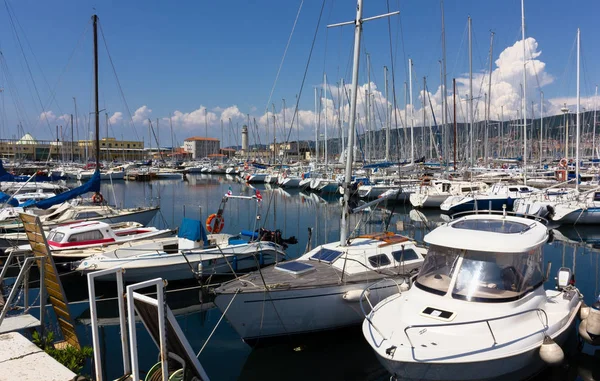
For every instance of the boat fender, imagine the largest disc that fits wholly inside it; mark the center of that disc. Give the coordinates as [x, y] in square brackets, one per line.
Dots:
[550, 352]
[584, 311]
[583, 333]
[354, 295]
[593, 319]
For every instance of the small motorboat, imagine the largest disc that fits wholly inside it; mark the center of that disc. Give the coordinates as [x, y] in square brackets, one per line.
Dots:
[477, 309]
[82, 235]
[197, 255]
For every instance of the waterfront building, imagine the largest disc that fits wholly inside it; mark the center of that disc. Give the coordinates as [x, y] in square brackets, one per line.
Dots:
[200, 147]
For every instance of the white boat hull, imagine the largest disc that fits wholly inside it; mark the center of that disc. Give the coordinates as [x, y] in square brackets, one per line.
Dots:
[419, 200]
[176, 267]
[256, 315]
[517, 367]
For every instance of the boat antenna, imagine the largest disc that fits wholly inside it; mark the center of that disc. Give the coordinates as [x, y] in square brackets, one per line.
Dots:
[353, 96]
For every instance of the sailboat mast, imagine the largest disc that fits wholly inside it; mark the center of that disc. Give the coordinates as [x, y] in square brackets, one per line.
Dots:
[316, 126]
[387, 116]
[471, 95]
[351, 133]
[524, 102]
[489, 98]
[541, 126]
[96, 112]
[412, 116]
[325, 151]
[445, 90]
[454, 97]
[594, 123]
[578, 105]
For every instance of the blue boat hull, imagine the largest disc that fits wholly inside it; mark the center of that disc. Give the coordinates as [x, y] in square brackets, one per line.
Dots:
[482, 204]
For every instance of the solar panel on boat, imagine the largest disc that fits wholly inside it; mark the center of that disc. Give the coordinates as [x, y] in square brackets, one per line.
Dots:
[326, 255]
[296, 268]
[496, 226]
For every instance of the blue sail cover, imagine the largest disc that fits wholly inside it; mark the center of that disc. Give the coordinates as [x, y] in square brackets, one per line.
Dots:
[92, 185]
[192, 230]
[5, 176]
[5, 197]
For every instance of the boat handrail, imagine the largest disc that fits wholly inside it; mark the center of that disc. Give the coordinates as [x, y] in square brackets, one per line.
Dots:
[501, 212]
[365, 295]
[487, 321]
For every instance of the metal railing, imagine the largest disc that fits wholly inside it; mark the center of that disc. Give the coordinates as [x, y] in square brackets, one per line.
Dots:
[23, 278]
[365, 296]
[487, 321]
[499, 212]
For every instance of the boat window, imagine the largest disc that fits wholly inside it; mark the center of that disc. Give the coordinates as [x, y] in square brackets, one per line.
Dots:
[326, 255]
[85, 215]
[525, 189]
[513, 189]
[379, 260]
[498, 277]
[438, 268]
[50, 236]
[463, 190]
[58, 237]
[405, 255]
[597, 196]
[86, 236]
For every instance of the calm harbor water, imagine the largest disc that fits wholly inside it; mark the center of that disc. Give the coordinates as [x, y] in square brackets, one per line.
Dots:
[342, 355]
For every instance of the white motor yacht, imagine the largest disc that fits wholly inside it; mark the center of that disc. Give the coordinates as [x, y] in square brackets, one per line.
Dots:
[478, 309]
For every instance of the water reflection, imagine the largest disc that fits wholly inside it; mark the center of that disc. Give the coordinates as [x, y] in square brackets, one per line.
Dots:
[334, 356]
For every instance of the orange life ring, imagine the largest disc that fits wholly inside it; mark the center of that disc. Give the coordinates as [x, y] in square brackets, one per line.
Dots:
[219, 223]
[563, 162]
[97, 198]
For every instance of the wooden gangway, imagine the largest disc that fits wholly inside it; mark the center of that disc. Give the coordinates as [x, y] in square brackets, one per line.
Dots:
[50, 282]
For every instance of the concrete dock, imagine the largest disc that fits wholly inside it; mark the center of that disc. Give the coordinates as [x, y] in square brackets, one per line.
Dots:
[22, 360]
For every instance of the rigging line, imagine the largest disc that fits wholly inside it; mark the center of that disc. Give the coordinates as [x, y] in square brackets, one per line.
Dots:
[285, 51]
[52, 91]
[28, 66]
[312, 46]
[112, 65]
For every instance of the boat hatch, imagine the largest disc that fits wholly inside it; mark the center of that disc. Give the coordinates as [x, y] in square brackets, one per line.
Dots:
[496, 226]
[438, 313]
[296, 268]
[379, 260]
[326, 255]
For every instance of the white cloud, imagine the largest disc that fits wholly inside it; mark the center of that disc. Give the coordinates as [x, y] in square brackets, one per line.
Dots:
[142, 114]
[117, 118]
[47, 115]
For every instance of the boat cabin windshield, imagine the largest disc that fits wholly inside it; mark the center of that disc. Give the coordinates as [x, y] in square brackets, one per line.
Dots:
[480, 276]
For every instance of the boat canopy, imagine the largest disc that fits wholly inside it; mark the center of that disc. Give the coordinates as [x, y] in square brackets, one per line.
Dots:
[192, 230]
[92, 185]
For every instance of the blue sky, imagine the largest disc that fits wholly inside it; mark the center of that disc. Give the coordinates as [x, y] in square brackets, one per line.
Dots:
[178, 58]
